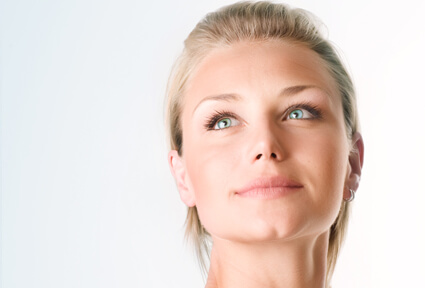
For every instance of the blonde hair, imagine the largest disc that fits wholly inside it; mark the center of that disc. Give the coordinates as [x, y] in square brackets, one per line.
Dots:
[256, 21]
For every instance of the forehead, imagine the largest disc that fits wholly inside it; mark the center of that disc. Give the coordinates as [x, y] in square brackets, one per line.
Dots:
[266, 66]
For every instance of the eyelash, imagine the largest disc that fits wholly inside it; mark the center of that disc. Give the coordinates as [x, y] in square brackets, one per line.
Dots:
[313, 109]
[218, 115]
[309, 107]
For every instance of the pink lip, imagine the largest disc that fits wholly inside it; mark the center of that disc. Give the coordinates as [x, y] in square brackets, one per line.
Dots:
[269, 187]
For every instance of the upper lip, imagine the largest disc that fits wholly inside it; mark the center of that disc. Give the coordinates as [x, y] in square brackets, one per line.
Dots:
[269, 182]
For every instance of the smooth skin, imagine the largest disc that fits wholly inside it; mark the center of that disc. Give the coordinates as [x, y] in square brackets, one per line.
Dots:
[282, 117]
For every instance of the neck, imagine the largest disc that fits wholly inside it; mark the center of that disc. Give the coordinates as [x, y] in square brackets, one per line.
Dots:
[296, 264]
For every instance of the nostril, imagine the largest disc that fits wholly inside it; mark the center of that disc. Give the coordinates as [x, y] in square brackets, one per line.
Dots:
[274, 155]
[258, 156]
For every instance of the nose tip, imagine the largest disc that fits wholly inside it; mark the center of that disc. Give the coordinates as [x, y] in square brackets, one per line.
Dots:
[266, 142]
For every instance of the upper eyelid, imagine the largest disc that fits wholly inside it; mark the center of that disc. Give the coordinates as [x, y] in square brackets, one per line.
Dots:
[224, 114]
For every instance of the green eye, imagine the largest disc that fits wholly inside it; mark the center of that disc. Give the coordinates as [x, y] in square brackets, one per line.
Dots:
[223, 123]
[296, 114]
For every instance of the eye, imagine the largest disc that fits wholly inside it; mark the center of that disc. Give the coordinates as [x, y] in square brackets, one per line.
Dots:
[299, 114]
[296, 114]
[221, 120]
[225, 123]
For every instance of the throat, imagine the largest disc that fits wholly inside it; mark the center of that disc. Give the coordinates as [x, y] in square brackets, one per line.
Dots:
[296, 264]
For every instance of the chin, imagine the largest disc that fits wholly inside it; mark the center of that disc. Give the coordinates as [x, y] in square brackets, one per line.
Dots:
[280, 229]
[263, 230]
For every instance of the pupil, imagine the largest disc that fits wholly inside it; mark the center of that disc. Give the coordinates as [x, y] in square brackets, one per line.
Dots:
[224, 123]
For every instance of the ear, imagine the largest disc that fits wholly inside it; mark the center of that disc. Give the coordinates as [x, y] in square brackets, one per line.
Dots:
[178, 170]
[355, 165]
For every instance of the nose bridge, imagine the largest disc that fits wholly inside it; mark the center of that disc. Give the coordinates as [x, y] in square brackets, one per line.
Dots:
[266, 141]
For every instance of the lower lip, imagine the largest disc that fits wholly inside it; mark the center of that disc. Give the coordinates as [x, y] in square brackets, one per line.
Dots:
[269, 192]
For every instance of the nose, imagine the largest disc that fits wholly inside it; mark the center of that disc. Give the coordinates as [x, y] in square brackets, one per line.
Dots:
[267, 145]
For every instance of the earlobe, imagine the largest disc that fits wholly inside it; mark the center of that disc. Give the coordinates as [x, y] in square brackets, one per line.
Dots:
[178, 170]
[355, 164]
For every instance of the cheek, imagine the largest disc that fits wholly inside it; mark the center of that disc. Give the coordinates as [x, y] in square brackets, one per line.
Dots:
[211, 167]
[211, 158]
[324, 161]
[326, 157]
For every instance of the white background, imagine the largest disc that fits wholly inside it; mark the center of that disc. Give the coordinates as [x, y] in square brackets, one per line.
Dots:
[87, 199]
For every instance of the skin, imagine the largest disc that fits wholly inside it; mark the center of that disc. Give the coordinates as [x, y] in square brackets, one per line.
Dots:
[265, 241]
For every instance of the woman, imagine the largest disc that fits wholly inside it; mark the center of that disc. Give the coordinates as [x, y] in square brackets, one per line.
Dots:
[265, 146]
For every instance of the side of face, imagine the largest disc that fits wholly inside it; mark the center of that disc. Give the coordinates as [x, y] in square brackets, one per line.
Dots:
[268, 109]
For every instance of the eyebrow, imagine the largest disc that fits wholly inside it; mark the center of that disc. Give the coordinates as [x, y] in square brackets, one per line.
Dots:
[293, 90]
[229, 97]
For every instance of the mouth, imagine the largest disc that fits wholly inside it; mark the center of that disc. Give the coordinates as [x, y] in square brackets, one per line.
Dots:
[269, 188]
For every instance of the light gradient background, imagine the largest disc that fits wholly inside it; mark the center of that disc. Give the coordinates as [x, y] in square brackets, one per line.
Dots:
[87, 199]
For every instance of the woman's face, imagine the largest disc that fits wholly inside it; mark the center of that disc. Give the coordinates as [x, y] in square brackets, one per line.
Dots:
[265, 152]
